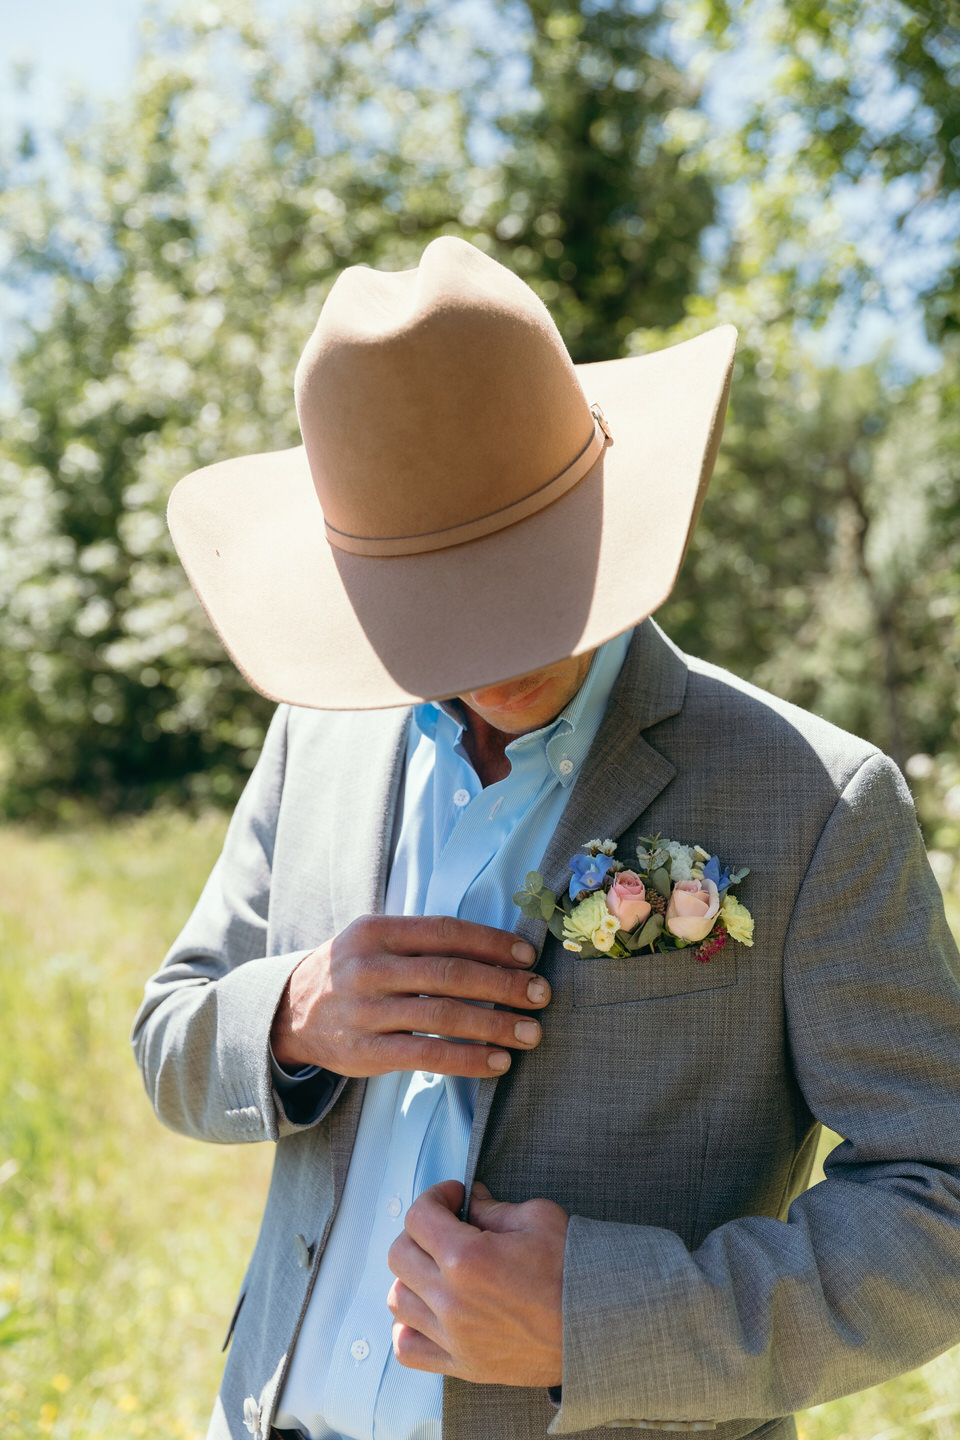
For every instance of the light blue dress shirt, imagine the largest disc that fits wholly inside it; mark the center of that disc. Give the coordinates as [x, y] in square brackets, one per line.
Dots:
[462, 850]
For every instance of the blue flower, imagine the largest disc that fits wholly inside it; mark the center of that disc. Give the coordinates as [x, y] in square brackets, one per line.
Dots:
[720, 878]
[589, 872]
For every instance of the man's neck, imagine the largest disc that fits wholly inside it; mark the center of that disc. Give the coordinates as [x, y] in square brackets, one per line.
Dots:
[486, 748]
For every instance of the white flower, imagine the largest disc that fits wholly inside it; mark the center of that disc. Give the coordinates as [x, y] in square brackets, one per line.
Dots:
[681, 860]
[570, 945]
[600, 847]
[606, 932]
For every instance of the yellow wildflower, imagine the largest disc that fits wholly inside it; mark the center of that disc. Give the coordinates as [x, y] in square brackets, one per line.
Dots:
[738, 920]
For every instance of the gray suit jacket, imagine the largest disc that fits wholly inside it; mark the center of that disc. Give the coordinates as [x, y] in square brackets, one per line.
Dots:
[672, 1107]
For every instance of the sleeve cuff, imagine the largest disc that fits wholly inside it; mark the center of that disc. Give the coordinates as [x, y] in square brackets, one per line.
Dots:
[305, 1093]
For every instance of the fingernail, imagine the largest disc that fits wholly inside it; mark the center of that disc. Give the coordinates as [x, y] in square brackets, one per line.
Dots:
[524, 953]
[499, 1061]
[538, 990]
[527, 1031]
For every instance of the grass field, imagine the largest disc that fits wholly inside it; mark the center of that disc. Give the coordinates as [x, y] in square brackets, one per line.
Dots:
[122, 1245]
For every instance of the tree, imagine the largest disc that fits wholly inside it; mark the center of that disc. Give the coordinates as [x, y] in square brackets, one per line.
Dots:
[844, 163]
[601, 211]
[177, 266]
[178, 278]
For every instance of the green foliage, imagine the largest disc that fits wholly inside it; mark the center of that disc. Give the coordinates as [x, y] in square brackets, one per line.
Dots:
[177, 267]
[180, 276]
[826, 563]
[602, 212]
[171, 271]
[858, 116]
[121, 1244]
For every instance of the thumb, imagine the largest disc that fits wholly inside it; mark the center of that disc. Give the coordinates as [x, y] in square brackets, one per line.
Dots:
[489, 1214]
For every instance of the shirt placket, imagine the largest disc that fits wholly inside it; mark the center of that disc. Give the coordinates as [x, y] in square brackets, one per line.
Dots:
[363, 1345]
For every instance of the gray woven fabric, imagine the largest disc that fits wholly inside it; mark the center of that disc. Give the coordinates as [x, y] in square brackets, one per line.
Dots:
[672, 1106]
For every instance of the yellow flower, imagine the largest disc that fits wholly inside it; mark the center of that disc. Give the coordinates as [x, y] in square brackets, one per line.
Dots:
[585, 918]
[61, 1383]
[738, 920]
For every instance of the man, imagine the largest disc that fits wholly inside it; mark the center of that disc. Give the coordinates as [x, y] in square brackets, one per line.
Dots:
[592, 1216]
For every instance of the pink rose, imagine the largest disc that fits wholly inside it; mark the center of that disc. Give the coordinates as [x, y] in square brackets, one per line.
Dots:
[692, 909]
[627, 899]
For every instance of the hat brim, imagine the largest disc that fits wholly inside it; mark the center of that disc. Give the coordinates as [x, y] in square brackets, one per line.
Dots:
[316, 626]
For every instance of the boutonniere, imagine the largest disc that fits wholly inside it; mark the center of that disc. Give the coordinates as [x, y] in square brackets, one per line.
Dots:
[677, 897]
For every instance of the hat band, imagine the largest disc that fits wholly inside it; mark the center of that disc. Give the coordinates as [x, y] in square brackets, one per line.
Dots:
[487, 524]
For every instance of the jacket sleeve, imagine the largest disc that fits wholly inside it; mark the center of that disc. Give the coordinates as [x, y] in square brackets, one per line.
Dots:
[202, 1034]
[862, 1280]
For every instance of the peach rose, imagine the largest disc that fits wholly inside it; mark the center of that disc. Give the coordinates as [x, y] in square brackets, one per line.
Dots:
[627, 899]
[692, 909]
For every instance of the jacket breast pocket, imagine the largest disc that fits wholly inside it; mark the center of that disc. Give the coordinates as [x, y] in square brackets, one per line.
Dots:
[649, 977]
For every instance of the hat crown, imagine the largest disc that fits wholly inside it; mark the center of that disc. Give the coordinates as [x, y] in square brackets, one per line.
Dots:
[431, 398]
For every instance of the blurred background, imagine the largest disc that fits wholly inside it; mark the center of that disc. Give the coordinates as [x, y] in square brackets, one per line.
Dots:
[178, 189]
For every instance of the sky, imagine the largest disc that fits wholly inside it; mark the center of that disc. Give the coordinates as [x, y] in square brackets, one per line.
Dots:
[86, 44]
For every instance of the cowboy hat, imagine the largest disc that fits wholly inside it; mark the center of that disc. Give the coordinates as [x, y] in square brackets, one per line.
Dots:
[467, 505]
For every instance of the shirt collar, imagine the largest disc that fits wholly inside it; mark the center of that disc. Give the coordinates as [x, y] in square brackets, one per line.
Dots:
[565, 741]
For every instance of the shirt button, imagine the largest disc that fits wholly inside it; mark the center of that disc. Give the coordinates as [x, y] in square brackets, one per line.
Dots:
[565, 766]
[461, 797]
[395, 1206]
[359, 1350]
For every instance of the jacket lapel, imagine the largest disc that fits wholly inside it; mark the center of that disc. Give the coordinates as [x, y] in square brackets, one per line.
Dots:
[367, 813]
[365, 806]
[622, 775]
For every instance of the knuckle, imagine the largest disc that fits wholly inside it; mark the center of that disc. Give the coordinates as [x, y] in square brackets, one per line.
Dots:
[444, 929]
[364, 930]
[543, 1214]
[440, 1014]
[459, 1269]
[377, 1050]
[413, 1212]
[449, 972]
[512, 985]
[404, 1344]
[446, 1058]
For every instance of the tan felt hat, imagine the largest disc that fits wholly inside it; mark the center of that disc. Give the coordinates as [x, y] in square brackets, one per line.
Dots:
[467, 506]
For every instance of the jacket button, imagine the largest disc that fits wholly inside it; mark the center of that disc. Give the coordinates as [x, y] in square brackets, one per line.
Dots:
[303, 1252]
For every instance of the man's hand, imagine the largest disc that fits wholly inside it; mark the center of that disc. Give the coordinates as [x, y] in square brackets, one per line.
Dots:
[481, 1301]
[372, 999]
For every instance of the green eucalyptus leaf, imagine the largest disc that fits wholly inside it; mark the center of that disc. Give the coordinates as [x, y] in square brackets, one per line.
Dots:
[548, 903]
[660, 880]
[555, 924]
[534, 882]
[520, 897]
[650, 932]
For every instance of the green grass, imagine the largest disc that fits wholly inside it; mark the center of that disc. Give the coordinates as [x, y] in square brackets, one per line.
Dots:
[122, 1245]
